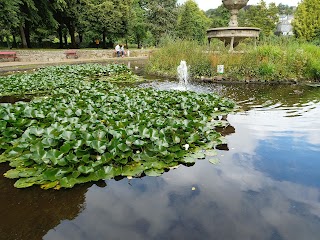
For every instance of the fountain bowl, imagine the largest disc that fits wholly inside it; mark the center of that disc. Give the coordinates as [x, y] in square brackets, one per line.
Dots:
[226, 34]
[234, 4]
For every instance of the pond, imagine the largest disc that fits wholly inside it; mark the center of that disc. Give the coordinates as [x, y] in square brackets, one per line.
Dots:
[266, 185]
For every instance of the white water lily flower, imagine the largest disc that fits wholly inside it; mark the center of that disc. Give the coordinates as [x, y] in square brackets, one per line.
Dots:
[186, 146]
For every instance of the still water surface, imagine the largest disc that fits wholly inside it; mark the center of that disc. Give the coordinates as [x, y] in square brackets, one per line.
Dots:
[266, 186]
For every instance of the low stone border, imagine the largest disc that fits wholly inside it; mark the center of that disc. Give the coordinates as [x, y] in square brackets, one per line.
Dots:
[59, 55]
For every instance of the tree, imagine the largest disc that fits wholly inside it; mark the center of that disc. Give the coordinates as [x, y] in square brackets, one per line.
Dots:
[306, 23]
[219, 17]
[162, 17]
[137, 26]
[109, 18]
[285, 9]
[9, 19]
[193, 22]
[260, 16]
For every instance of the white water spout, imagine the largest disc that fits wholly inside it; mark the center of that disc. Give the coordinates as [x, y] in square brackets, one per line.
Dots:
[183, 74]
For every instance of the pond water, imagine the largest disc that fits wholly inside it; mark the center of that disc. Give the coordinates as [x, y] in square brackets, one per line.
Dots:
[266, 186]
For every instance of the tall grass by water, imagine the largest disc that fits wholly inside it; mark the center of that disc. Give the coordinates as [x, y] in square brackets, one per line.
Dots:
[274, 59]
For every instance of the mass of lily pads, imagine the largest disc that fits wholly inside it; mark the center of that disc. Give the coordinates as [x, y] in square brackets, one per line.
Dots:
[85, 127]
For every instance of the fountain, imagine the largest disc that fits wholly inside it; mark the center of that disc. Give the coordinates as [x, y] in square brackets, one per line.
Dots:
[233, 34]
[182, 70]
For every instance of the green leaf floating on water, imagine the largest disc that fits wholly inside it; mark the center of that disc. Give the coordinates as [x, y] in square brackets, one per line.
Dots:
[214, 161]
[86, 129]
[154, 172]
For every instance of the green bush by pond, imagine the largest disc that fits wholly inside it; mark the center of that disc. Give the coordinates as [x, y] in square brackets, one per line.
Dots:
[282, 59]
[89, 129]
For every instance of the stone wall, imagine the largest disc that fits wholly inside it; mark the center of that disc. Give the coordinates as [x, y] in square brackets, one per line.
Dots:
[59, 55]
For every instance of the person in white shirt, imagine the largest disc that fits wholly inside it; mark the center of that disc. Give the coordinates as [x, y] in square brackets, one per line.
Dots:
[117, 50]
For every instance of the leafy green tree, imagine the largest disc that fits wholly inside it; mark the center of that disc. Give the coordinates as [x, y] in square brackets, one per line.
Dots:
[137, 26]
[67, 14]
[109, 18]
[193, 22]
[219, 17]
[285, 9]
[306, 23]
[161, 17]
[9, 19]
[260, 16]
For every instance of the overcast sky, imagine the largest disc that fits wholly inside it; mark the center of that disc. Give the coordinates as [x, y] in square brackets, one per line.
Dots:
[208, 4]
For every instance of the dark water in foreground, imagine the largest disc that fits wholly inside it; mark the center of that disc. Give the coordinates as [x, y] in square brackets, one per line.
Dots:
[266, 186]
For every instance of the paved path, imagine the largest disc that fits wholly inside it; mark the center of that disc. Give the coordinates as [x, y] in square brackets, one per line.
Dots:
[16, 65]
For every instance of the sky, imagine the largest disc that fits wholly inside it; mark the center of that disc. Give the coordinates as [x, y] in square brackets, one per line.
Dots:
[208, 4]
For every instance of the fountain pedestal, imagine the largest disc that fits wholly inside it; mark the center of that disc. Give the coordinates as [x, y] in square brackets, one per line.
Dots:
[233, 34]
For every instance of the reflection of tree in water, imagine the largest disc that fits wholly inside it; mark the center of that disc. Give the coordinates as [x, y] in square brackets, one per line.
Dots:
[225, 132]
[266, 95]
[31, 213]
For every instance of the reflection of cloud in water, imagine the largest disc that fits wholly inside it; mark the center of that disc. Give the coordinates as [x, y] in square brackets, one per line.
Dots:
[273, 123]
[232, 201]
[240, 198]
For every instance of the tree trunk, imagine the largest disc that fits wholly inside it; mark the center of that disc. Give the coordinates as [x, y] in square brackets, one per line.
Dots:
[14, 44]
[104, 39]
[60, 36]
[23, 37]
[65, 40]
[27, 33]
[72, 31]
[8, 42]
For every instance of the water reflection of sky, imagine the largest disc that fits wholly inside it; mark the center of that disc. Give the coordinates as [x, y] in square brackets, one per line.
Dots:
[265, 187]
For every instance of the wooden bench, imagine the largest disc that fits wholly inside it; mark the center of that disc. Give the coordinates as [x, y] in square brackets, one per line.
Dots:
[71, 53]
[8, 55]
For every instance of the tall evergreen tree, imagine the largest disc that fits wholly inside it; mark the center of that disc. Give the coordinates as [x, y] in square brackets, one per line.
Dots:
[137, 26]
[162, 17]
[306, 22]
[193, 22]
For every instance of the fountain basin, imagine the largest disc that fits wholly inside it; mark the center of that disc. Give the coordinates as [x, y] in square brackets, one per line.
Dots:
[233, 35]
[232, 4]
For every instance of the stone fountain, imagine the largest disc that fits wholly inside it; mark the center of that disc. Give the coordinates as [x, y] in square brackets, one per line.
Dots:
[233, 34]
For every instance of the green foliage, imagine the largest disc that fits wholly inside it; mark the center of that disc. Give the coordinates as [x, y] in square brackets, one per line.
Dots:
[166, 59]
[260, 16]
[161, 17]
[274, 59]
[108, 17]
[49, 79]
[137, 25]
[96, 130]
[285, 9]
[219, 17]
[306, 22]
[270, 62]
[193, 23]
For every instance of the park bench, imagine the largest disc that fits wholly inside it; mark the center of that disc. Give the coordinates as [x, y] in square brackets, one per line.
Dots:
[8, 55]
[71, 53]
